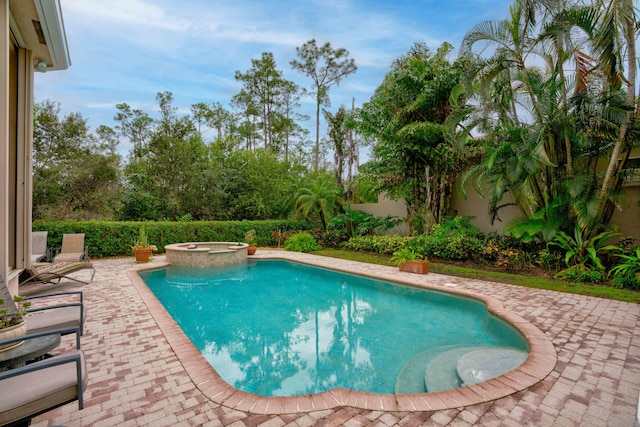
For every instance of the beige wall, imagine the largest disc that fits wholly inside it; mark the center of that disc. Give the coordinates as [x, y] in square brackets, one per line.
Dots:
[627, 220]
[20, 48]
[474, 205]
[5, 43]
[386, 207]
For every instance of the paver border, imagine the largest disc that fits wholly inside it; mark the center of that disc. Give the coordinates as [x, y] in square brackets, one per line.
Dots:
[540, 363]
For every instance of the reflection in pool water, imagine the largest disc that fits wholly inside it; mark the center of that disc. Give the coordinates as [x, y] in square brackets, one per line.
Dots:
[281, 328]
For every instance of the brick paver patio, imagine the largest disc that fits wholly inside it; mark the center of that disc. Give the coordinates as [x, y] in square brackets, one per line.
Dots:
[136, 377]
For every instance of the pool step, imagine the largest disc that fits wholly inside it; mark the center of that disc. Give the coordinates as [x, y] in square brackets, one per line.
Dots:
[411, 378]
[482, 365]
[453, 366]
[441, 372]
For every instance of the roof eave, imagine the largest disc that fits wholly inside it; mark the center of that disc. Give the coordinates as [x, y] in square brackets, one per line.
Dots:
[50, 14]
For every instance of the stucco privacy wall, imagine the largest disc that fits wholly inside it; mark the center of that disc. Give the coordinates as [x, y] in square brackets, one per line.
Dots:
[386, 207]
[627, 220]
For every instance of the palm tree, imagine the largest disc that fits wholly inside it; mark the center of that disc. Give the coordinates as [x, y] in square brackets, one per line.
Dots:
[320, 197]
[547, 128]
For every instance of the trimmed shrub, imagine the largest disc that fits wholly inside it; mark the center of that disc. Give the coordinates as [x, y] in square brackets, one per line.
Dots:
[302, 242]
[378, 244]
[110, 238]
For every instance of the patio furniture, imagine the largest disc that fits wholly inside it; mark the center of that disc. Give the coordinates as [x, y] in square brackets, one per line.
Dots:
[52, 272]
[31, 349]
[39, 246]
[73, 249]
[41, 386]
[69, 316]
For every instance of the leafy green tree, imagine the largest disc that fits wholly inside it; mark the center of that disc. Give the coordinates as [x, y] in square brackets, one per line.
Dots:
[135, 125]
[220, 119]
[413, 158]
[286, 121]
[201, 114]
[140, 199]
[265, 84]
[325, 66]
[56, 139]
[249, 112]
[256, 184]
[338, 136]
[71, 177]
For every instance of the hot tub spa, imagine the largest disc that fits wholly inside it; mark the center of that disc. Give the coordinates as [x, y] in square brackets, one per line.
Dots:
[206, 254]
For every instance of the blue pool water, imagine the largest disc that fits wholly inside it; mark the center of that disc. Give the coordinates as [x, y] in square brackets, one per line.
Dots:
[278, 328]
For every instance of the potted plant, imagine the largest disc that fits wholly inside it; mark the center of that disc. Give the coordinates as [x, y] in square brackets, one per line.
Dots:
[410, 261]
[13, 325]
[142, 249]
[250, 239]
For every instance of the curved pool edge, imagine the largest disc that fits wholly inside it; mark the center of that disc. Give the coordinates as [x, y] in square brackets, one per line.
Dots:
[540, 363]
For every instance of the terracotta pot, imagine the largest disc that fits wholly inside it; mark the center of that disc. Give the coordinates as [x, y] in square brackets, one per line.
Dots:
[418, 267]
[13, 332]
[142, 255]
[251, 249]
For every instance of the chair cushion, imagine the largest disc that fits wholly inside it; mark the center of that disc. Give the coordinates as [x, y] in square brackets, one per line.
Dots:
[39, 242]
[69, 257]
[72, 243]
[35, 392]
[55, 318]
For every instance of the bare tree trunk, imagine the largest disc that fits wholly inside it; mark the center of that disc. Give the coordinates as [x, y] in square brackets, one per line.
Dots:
[317, 161]
[353, 155]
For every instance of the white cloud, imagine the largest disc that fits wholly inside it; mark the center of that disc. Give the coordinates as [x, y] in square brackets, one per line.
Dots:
[128, 50]
[123, 12]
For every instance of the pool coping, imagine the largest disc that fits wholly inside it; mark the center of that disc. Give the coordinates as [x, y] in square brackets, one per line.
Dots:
[540, 363]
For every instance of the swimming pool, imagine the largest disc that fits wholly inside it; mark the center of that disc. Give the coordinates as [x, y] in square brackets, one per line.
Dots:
[281, 328]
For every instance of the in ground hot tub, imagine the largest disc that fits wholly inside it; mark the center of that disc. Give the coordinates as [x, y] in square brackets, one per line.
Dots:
[206, 254]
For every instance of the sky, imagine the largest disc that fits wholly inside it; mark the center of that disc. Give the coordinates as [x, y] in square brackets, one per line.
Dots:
[126, 51]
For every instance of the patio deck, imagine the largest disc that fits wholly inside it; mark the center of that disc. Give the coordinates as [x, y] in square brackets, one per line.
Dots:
[136, 377]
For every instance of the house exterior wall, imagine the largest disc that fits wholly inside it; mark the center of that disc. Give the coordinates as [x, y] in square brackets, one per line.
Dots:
[5, 133]
[20, 48]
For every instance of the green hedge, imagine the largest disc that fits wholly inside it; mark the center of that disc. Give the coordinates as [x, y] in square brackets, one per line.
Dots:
[108, 238]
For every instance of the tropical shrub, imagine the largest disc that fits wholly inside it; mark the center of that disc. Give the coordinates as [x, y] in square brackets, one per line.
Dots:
[377, 244]
[329, 238]
[627, 273]
[404, 255]
[455, 239]
[507, 251]
[302, 242]
[581, 273]
[358, 223]
[583, 251]
[549, 260]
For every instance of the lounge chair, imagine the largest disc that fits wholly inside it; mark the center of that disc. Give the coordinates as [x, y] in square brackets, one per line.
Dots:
[73, 249]
[41, 386]
[69, 315]
[52, 272]
[39, 246]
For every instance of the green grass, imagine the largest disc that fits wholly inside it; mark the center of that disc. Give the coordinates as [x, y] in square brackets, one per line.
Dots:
[601, 291]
